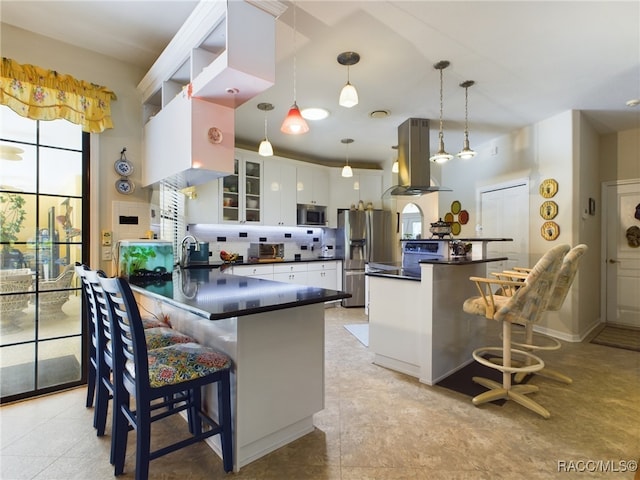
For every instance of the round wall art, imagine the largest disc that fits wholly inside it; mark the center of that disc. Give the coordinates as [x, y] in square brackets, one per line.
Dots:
[548, 188]
[550, 230]
[549, 210]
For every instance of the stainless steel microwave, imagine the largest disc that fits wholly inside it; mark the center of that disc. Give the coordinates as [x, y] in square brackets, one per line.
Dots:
[311, 215]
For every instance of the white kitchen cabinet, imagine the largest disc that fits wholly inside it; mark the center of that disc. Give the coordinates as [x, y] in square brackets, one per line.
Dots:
[186, 102]
[176, 142]
[322, 274]
[257, 271]
[291, 273]
[240, 192]
[279, 193]
[312, 185]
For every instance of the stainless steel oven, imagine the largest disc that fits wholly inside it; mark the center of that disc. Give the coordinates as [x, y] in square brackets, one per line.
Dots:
[416, 250]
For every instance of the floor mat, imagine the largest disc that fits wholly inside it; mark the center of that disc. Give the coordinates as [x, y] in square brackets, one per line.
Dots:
[462, 380]
[360, 331]
[619, 337]
[20, 378]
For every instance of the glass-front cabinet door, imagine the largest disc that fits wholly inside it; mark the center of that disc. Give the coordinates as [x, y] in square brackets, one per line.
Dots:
[242, 192]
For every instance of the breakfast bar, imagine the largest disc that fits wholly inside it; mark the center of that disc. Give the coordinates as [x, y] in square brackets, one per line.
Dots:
[416, 322]
[273, 332]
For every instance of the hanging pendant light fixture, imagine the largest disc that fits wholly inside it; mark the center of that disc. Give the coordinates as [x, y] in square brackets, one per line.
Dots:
[294, 123]
[466, 152]
[395, 166]
[442, 155]
[265, 149]
[348, 95]
[346, 170]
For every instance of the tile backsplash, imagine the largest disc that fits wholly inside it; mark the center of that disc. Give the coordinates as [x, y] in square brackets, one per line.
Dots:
[303, 243]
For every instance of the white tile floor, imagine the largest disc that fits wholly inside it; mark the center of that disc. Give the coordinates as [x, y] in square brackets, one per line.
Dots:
[377, 424]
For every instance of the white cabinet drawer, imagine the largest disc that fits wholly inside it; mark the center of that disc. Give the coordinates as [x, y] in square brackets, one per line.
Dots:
[313, 266]
[252, 270]
[290, 268]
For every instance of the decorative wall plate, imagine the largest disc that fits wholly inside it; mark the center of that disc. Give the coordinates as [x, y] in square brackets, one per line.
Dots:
[549, 210]
[455, 207]
[448, 217]
[463, 217]
[215, 135]
[548, 188]
[550, 230]
[125, 186]
[455, 228]
[123, 167]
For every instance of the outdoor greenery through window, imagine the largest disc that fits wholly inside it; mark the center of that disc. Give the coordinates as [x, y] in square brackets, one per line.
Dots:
[43, 166]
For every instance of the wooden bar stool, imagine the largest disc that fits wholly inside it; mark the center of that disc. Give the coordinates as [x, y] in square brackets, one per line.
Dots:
[156, 337]
[164, 381]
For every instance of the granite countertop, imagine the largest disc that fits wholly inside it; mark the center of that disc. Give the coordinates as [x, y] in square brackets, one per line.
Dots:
[303, 260]
[411, 274]
[211, 294]
[452, 239]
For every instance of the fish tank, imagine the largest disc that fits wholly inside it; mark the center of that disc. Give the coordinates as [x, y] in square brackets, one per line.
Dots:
[145, 261]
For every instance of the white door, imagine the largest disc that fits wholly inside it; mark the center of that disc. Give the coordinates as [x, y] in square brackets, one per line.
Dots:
[622, 253]
[504, 213]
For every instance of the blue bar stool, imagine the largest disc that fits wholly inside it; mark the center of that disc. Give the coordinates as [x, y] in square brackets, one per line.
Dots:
[156, 337]
[164, 381]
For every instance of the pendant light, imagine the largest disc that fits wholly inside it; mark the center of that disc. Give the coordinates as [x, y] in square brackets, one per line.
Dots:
[442, 155]
[265, 149]
[346, 170]
[294, 123]
[466, 152]
[395, 166]
[348, 95]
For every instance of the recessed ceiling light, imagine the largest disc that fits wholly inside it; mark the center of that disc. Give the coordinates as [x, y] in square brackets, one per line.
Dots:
[379, 114]
[314, 113]
[634, 102]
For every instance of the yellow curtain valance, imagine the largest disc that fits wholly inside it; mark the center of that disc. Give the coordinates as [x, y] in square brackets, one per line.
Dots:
[40, 94]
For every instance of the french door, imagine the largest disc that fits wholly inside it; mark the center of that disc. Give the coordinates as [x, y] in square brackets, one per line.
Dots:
[43, 199]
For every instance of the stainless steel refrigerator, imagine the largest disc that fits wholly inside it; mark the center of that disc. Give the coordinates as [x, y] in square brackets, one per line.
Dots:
[362, 237]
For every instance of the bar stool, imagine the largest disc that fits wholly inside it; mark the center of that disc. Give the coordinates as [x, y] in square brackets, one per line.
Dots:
[156, 337]
[536, 342]
[524, 307]
[175, 374]
[92, 315]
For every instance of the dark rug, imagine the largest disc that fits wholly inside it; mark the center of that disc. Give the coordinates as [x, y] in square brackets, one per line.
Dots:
[619, 337]
[55, 371]
[461, 381]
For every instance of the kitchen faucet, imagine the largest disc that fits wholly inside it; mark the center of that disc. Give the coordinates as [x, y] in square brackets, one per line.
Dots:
[185, 243]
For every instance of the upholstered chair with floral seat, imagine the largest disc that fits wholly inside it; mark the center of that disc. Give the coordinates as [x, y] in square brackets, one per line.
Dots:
[525, 306]
[163, 382]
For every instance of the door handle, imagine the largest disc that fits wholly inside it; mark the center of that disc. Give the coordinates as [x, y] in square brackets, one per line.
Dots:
[611, 260]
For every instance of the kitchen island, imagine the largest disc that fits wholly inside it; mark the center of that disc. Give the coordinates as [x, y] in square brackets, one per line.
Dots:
[416, 322]
[273, 332]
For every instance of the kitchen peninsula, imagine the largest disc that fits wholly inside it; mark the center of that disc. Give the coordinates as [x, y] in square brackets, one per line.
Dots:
[273, 332]
[416, 322]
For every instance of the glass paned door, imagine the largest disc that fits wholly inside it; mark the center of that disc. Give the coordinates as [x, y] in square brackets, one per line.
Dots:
[43, 168]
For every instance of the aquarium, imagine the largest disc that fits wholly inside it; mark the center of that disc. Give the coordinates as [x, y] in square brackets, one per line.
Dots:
[145, 261]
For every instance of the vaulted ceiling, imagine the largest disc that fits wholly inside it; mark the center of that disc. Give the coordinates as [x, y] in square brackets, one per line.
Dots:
[530, 60]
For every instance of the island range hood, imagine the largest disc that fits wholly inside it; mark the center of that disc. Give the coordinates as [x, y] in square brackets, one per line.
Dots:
[414, 167]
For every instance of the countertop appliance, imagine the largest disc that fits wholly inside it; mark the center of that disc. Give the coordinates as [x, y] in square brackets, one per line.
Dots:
[363, 236]
[413, 252]
[266, 252]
